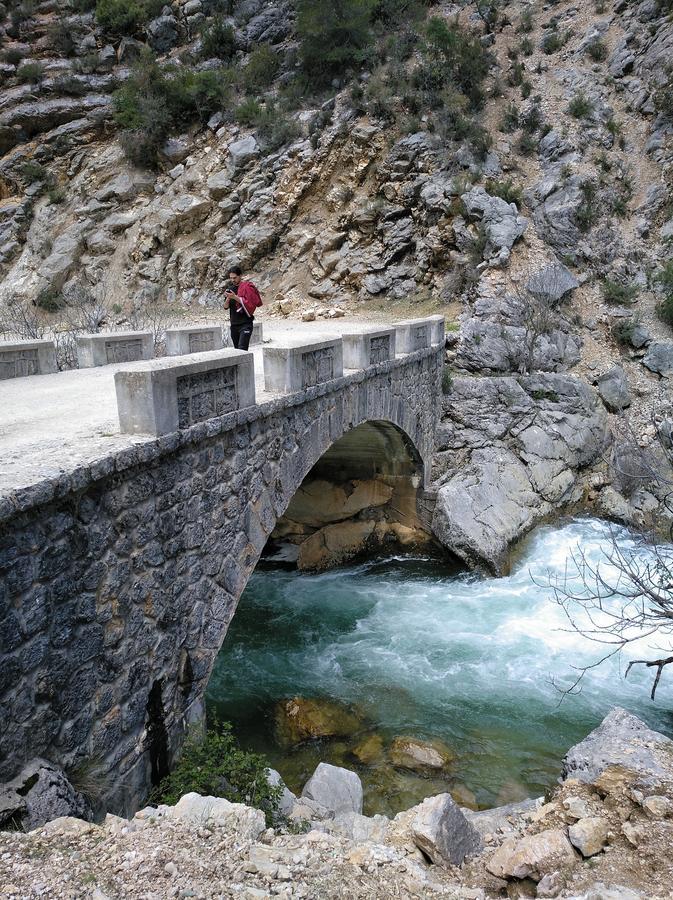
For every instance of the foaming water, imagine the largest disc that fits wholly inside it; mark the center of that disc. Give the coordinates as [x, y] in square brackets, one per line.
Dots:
[424, 650]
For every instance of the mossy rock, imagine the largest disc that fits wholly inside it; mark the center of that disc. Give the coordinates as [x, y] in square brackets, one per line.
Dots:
[420, 756]
[302, 719]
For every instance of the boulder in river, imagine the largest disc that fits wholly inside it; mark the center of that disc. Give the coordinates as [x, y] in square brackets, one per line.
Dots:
[420, 756]
[303, 719]
[369, 751]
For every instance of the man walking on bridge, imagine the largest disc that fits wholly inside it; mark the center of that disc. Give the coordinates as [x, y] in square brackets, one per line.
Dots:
[241, 299]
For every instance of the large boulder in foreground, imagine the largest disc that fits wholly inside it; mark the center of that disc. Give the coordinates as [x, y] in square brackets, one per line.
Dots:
[337, 789]
[532, 856]
[622, 739]
[442, 832]
[39, 793]
[219, 813]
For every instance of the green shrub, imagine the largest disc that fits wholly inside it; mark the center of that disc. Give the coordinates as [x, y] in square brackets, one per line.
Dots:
[274, 128]
[506, 190]
[554, 40]
[663, 96]
[70, 86]
[527, 143]
[457, 57]
[580, 106]
[261, 69]
[49, 300]
[515, 74]
[617, 294]
[526, 89]
[13, 56]
[126, 16]
[31, 171]
[214, 765]
[57, 193]
[30, 73]
[665, 310]
[334, 35]
[526, 22]
[622, 331]
[155, 101]
[218, 40]
[510, 119]
[526, 46]
[61, 37]
[392, 14]
[531, 121]
[587, 212]
[248, 112]
[597, 51]
[447, 381]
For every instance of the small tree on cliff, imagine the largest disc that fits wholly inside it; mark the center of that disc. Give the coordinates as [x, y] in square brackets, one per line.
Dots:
[628, 594]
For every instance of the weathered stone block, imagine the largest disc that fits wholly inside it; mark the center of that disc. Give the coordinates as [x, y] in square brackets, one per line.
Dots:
[368, 347]
[437, 329]
[164, 395]
[193, 339]
[257, 334]
[301, 365]
[21, 358]
[113, 347]
[413, 334]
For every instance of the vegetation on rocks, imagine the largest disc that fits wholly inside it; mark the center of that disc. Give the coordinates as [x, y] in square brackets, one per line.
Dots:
[126, 16]
[212, 764]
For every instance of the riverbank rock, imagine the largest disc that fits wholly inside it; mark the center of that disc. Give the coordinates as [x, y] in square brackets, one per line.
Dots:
[622, 740]
[334, 544]
[442, 832]
[218, 812]
[370, 750]
[337, 789]
[419, 756]
[318, 502]
[589, 835]
[532, 856]
[39, 793]
[303, 719]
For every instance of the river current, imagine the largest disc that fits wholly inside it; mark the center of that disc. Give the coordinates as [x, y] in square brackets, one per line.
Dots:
[420, 648]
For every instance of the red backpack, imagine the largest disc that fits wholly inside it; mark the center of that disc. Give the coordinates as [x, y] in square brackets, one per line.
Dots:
[249, 297]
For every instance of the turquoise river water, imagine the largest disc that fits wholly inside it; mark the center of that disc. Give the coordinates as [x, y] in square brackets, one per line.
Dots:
[419, 648]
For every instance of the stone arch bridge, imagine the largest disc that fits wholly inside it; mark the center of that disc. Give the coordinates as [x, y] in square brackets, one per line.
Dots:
[118, 579]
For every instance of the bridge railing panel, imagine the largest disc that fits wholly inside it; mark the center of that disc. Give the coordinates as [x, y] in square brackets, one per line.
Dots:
[193, 339]
[302, 364]
[160, 396]
[103, 349]
[368, 346]
[413, 334]
[21, 358]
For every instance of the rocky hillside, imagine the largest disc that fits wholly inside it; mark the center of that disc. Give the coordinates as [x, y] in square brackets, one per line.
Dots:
[508, 163]
[603, 834]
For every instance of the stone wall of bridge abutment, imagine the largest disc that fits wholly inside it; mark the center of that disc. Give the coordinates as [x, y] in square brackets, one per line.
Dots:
[119, 579]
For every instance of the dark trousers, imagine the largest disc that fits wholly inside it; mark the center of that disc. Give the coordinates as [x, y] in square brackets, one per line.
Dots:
[240, 335]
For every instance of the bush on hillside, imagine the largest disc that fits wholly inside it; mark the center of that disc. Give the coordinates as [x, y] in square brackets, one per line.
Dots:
[665, 280]
[126, 16]
[155, 101]
[262, 68]
[335, 35]
[214, 765]
[458, 57]
[218, 40]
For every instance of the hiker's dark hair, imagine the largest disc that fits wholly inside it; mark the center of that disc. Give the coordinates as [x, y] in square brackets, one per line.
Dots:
[235, 270]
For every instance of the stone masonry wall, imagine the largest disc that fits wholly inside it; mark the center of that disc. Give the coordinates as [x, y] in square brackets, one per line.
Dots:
[118, 581]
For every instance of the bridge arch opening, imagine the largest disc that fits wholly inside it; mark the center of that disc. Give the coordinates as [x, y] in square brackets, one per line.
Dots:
[364, 494]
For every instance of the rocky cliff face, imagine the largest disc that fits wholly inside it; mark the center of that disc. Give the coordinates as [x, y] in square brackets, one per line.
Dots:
[543, 244]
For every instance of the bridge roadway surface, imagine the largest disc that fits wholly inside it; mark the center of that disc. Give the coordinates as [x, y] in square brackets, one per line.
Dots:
[50, 424]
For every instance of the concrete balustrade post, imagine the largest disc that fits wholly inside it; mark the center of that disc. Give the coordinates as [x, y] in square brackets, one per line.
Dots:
[413, 334]
[21, 358]
[302, 364]
[367, 347]
[193, 339]
[161, 396]
[106, 348]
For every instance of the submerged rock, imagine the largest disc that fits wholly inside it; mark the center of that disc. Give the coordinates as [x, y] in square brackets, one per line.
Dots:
[303, 719]
[370, 750]
[419, 756]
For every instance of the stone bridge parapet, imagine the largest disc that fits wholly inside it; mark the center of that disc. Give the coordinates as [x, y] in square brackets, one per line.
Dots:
[119, 579]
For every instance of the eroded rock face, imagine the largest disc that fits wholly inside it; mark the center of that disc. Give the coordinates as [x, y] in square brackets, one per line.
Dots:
[40, 792]
[621, 740]
[509, 452]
